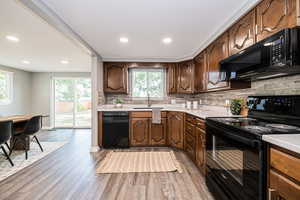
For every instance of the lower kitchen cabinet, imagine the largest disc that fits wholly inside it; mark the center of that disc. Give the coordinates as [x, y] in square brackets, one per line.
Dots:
[200, 149]
[176, 129]
[158, 133]
[139, 132]
[144, 133]
[194, 141]
[284, 175]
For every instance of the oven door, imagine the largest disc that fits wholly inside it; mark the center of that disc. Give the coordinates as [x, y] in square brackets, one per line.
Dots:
[234, 166]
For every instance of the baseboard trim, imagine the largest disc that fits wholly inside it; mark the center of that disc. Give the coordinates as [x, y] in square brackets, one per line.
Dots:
[47, 128]
[94, 149]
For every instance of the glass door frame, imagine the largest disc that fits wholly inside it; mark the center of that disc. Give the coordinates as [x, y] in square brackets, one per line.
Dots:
[75, 101]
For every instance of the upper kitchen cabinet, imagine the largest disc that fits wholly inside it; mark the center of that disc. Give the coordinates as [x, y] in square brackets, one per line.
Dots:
[171, 78]
[200, 78]
[274, 15]
[185, 77]
[242, 33]
[217, 51]
[115, 77]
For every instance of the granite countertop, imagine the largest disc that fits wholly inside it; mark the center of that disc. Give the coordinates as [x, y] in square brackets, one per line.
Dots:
[287, 141]
[203, 111]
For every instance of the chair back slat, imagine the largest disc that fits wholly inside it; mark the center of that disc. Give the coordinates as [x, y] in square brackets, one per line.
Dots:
[5, 131]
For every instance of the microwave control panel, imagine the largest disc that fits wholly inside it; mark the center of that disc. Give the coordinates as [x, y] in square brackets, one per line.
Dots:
[277, 52]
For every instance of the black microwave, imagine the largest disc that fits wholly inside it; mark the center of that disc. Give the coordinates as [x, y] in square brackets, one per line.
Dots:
[278, 55]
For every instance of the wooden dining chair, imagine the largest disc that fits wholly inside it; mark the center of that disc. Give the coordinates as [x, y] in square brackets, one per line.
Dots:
[5, 134]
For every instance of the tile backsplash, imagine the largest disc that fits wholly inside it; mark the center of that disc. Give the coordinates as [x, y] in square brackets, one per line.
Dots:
[289, 85]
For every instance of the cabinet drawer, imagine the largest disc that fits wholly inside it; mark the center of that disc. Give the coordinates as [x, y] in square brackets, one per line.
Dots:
[190, 140]
[200, 123]
[189, 118]
[143, 114]
[285, 163]
[189, 128]
[283, 187]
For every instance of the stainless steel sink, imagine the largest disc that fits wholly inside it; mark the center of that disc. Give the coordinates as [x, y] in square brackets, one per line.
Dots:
[148, 108]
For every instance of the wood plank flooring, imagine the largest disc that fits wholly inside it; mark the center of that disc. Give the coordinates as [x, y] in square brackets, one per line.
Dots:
[69, 173]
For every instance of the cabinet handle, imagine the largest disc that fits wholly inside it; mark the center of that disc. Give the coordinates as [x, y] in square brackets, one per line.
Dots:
[272, 194]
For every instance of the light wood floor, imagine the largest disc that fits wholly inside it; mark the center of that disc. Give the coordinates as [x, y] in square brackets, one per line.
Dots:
[69, 173]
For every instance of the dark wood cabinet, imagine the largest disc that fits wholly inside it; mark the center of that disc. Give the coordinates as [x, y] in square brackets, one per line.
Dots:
[144, 133]
[274, 15]
[139, 132]
[200, 79]
[216, 52]
[242, 33]
[158, 133]
[171, 78]
[115, 78]
[200, 148]
[176, 129]
[185, 77]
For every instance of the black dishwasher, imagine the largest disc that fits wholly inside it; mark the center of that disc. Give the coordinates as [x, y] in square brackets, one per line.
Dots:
[115, 129]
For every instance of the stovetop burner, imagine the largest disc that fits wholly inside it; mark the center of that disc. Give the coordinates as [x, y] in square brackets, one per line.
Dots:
[283, 126]
[257, 126]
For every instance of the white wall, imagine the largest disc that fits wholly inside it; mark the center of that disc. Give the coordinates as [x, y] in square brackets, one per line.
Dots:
[42, 90]
[21, 103]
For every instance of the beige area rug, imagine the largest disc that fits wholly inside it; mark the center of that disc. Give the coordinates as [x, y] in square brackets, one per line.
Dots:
[132, 161]
[18, 157]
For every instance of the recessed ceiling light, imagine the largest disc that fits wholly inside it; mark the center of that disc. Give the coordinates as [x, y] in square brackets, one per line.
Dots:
[12, 38]
[167, 40]
[26, 62]
[64, 62]
[124, 40]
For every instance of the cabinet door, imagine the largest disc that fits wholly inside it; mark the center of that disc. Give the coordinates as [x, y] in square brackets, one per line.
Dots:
[158, 133]
[242, 34]
[185, 77]
[115, 77]
[171, 78]
[216, 52]
[200, 149]
[200, 73]
[175, 129]
[139, 130]
[274, 15]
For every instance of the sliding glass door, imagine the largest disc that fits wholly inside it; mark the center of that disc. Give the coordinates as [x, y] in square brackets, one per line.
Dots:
[72, 102]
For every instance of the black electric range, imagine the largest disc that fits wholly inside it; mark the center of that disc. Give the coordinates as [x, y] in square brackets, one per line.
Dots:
[235, 152]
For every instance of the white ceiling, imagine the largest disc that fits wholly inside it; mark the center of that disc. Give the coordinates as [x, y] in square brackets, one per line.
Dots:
[192, 24]
[39, 43]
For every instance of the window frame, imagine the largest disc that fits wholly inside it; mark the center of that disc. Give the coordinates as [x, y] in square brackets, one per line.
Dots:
[148, 69]
[10, 88]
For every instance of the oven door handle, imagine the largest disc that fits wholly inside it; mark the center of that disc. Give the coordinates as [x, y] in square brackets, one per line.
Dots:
[250, 142]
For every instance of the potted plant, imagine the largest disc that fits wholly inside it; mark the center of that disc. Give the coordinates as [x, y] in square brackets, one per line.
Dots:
[236, 106]
[119, 102]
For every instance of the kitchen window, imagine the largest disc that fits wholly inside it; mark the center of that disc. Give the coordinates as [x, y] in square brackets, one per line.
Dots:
[6, 87]
[147, 82]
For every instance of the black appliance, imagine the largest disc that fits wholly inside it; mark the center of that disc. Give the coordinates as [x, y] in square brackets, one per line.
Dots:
[235, 151]
[115, 129]
[275, 56]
